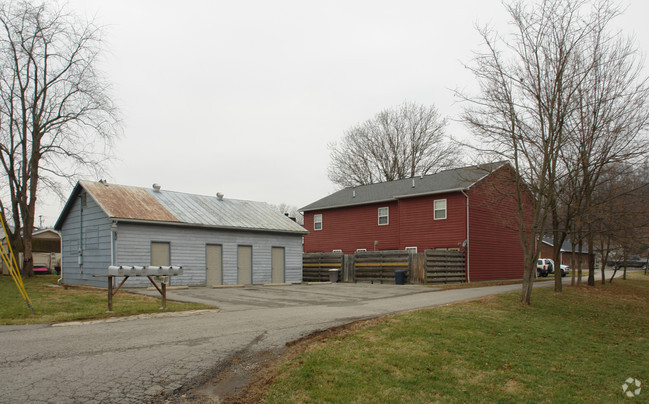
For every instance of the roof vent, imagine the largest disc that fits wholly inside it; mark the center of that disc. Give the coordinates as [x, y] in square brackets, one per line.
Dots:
[156, 187]
[413, 182]
[354, 193]
[103, 182]
[219, 196]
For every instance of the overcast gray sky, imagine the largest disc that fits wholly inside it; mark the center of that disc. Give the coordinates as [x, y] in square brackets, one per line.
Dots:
[243, 97]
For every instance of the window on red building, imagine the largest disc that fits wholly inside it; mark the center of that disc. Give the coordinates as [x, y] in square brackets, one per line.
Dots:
[384, 216]
[440, 209]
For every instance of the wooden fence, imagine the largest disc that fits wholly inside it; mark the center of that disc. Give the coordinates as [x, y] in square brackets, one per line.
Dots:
[316, 266]
[445, 266]
[379, 266]
[432, 266]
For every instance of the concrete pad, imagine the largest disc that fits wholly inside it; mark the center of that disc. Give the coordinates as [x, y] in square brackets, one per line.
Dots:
[226, 286]
[251, 297]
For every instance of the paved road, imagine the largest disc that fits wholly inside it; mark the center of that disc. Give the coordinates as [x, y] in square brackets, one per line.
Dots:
[139, 360]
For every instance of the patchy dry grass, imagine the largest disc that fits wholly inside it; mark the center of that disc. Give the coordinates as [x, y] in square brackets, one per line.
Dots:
[576, 346]
[53, 304]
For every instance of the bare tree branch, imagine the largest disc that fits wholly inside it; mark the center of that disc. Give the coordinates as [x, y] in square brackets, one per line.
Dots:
[56, 115]
[397, 143]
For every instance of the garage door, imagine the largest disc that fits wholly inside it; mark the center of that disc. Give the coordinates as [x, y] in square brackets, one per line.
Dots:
[278, 265]
[213, 265]
[244, 265]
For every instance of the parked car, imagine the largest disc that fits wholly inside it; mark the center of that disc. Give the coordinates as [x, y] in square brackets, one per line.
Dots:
[565, 270]
[544, 266]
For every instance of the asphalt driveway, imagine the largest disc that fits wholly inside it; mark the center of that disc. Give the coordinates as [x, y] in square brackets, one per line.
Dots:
[156, 358]
[297, 295]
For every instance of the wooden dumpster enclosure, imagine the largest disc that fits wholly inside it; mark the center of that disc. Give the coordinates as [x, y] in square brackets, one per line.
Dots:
[431, 266]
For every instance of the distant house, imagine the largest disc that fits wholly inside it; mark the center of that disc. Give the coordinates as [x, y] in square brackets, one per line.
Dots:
[46, 251]
[471, 209]
[218, 241]
[565, 254]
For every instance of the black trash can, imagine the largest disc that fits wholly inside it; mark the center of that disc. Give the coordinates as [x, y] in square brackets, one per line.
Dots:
[399, 277]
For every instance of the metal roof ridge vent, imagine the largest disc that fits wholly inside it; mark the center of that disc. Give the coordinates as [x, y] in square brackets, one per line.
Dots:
[156, 187]
[219, 196]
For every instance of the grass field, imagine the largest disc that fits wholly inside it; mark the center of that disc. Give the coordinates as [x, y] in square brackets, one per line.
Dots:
[576, 346]
[53, 304]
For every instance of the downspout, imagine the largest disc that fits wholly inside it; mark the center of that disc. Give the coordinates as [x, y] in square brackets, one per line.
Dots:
[112, 246]
[468, 273]
[80, 252]
[60, 280]
[113, 236]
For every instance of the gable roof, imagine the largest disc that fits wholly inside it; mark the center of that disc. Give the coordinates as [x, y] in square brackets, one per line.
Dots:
[142, 205]
[444, 181]
[566, 247]
[46, 233]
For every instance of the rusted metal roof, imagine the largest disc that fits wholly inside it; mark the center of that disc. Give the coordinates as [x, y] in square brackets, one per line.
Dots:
[124, 202]
[135, 204]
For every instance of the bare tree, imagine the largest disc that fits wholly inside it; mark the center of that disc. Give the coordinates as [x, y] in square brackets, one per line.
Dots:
[620, 212]
[290, 211]
[56, 117]
[554, 101]
[397, 143]
[608, 126]
[524, 101]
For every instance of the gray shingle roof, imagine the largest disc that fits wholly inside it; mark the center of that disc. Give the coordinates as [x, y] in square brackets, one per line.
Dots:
[443, 181]
[566, 246]
[136, 204]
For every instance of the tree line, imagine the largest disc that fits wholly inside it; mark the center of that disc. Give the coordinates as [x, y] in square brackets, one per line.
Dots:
[562, 97]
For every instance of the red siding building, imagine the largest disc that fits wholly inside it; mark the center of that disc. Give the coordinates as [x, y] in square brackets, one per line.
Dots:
[566, 255]
[472, 209]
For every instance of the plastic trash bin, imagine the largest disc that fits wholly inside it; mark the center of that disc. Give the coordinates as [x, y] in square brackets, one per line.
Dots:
[399, 277]
[333, 275]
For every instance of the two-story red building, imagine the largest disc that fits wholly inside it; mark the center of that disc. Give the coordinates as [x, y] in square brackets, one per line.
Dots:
[473, 209]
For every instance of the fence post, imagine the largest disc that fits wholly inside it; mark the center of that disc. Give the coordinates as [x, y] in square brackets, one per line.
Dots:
[349, 268]
[419, 268]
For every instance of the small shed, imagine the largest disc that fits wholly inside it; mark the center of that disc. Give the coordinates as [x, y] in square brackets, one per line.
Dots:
[46, 251]
[218, 241]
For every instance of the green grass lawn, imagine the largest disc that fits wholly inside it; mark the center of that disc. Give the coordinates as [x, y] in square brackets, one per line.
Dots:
[53, 303]
[576, 346]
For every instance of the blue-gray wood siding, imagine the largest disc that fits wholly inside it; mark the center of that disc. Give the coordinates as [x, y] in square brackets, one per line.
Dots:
[132, 246]
[188, 247]
[94, 245]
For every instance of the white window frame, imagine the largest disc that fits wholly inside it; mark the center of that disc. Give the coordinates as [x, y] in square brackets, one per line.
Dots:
[361, 250]
[317, 220]
[436, 209]
[386, 216]
[413, 249]
[337, 251]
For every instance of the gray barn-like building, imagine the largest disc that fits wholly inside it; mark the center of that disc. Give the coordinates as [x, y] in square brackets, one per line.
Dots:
[218, 241]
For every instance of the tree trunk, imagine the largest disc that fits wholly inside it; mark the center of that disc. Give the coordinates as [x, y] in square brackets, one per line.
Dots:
[591, 259]
[28, 259]
[572, 265]
[528, 283]
[604, 260]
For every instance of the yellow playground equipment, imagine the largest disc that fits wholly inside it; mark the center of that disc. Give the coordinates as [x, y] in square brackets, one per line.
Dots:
[10, 261]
